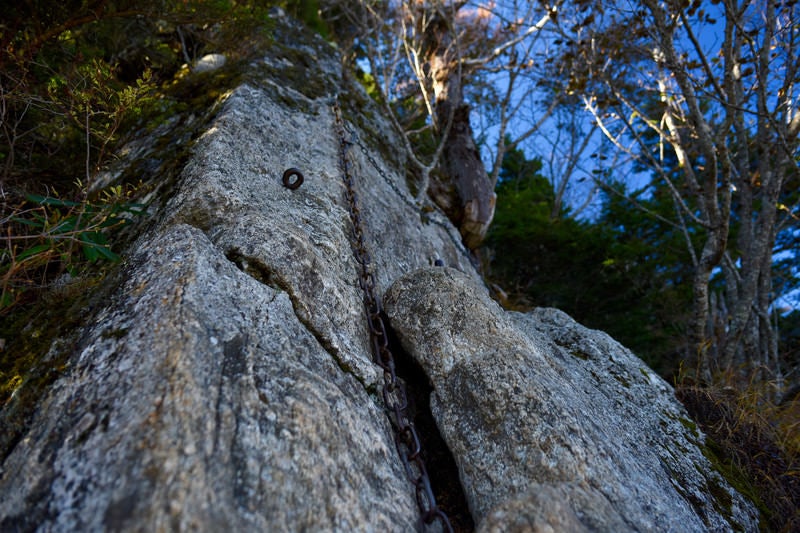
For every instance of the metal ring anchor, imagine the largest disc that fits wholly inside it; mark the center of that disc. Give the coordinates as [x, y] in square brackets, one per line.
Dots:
[287, 178]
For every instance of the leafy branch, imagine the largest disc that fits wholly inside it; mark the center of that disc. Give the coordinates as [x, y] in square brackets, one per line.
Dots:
[47, 232]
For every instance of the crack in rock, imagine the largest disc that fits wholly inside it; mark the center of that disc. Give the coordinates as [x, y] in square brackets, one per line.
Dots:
[272, 278]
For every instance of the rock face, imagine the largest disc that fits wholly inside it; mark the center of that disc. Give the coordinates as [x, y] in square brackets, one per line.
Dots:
[227, 382]
[552, 424]
[199, 400]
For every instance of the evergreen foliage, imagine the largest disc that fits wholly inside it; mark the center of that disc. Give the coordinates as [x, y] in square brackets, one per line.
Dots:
[624, 272]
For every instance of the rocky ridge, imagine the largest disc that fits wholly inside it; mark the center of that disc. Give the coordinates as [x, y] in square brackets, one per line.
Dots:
[227, 383]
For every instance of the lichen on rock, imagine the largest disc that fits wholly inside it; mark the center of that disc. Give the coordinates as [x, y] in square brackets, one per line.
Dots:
[226, 382]
[526, 420]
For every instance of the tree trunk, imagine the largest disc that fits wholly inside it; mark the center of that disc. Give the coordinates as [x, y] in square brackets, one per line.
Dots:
[461, 165]
[699, 338]
[701, 335]
[463, 188]
[753, 339]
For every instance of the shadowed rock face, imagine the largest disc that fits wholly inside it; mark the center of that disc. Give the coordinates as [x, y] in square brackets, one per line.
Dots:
[227, 383]
[553, 424]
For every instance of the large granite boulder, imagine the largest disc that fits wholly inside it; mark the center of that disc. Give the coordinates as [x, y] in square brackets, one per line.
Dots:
[226, 381]
[554, 425]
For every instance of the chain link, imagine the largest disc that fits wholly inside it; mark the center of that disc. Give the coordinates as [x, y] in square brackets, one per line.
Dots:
[395, 396]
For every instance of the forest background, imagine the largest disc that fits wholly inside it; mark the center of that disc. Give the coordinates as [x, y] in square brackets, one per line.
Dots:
[634, 164]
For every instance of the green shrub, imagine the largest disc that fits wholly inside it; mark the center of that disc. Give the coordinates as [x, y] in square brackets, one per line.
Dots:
[48, 235]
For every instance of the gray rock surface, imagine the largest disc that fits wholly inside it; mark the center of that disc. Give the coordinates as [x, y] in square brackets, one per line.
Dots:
[200, 401]
[554, 425]
[226, 381]
[210, 63]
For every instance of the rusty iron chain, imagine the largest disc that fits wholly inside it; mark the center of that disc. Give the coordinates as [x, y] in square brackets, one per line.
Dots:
[395, 396]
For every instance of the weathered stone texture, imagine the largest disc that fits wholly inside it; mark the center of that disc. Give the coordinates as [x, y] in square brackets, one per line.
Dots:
[538, 409]
[200, 401]
[227, 384]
